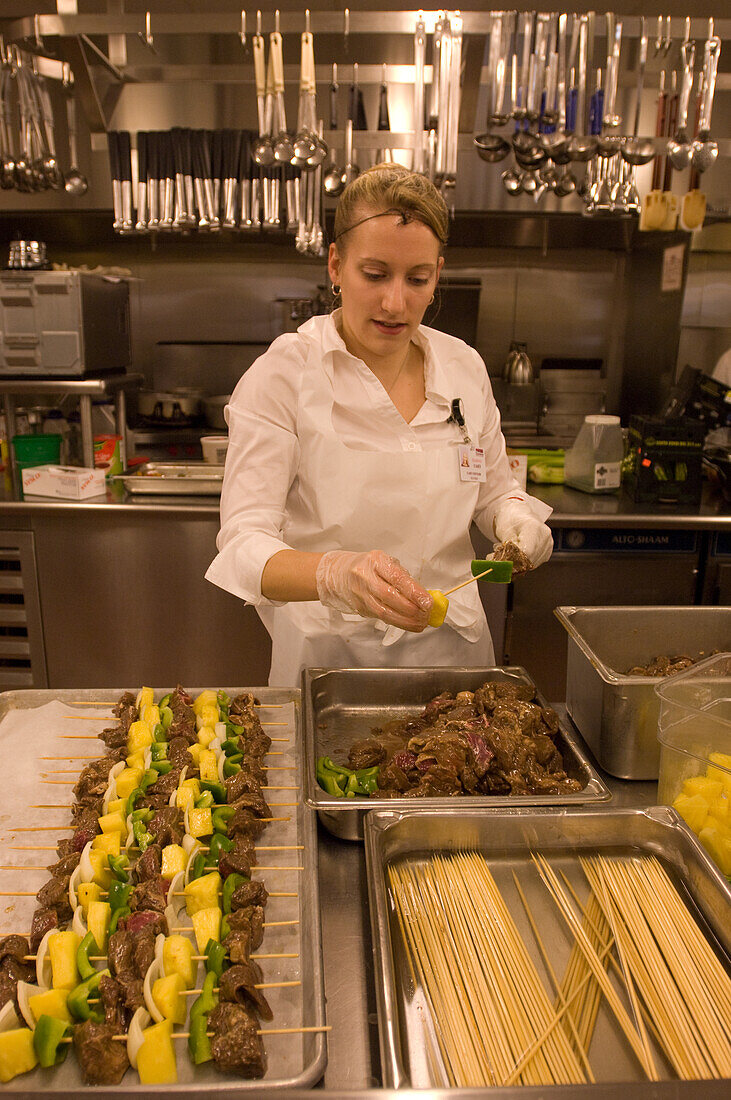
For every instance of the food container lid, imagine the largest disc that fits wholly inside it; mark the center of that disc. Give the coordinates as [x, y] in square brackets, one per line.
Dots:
[695, 707]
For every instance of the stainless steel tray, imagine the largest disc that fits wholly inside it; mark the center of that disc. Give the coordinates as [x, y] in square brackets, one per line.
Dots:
[615, 713]
[506, 839]
[173, 478]
[294, 1061]
[341, 705]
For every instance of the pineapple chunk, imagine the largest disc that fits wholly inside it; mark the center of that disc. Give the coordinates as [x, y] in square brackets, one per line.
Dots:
[52, 1002]
[62, 948]
[139, 736]
[202, 893]
[721, 808]
[184, 798]
[701, 784]
[113, 823]
[127, 780]
[117, 806]
[86, 892]
[177, 958]
[717, 843]
[109, 843]
[102, 873]
[150, 714]
[136, 759]
[207, 766]
[156, 1057]
[721, 773]
[195, 750]
[200, 822]
[693, 808]
[17, 1053]
[207, 716]
[206, 698]
[207, 926]
[100, 914]
[166, 993]
[174, 859]
[145, 698]
[205, 735]
[194, 785]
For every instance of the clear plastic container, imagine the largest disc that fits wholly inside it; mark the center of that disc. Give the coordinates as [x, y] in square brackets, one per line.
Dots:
[594, 462]
[694, 731]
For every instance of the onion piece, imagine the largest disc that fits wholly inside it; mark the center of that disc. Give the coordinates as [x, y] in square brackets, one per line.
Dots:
[171, 916]
[78, 924]
[176, 887]
[135, 1038]
[154, 971]
[219, 766]
[8, 1018]
[130, 833]
[44, 973]
[111, 790]
[159, 945]
[193, 850]
[147, 757]
[186, 819]
[25, 992]
[220, 728]
[74, 883]
[86, 871]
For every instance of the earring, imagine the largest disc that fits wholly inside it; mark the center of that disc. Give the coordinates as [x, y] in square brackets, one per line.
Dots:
[430, 300]
[336, 291]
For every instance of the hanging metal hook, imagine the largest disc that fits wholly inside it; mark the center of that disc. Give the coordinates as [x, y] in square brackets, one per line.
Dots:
[346, 28]
[258, 24]
[242, 31]
[147, 36]
[37, 32]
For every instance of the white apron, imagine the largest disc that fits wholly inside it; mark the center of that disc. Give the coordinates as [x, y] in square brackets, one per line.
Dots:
[412, 505]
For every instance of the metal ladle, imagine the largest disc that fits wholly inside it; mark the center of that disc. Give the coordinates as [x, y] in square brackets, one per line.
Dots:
[75, 182]
[679, 148]
[7, 160]
[263, 151]
[492, 147]
[636, 150]
[705, 151]
[582, 146]
[283, 147]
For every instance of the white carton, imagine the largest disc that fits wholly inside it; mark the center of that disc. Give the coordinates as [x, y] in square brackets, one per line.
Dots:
[67, 482]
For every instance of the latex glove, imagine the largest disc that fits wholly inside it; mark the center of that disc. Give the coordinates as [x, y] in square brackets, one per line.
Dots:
[373, 585]
[514, 522]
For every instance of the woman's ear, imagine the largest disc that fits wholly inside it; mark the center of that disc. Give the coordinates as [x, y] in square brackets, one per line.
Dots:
[440, 265]
[333, 264]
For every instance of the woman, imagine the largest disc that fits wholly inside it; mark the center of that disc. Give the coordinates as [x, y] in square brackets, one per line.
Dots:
[361, 449]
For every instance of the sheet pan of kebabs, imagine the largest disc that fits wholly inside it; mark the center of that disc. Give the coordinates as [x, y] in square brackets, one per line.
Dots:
[158, 880]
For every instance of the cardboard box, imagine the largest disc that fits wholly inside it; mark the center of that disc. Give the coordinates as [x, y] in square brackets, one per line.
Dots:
[65, 482]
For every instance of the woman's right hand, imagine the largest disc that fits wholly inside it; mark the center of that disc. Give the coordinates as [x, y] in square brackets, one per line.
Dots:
[374, 585]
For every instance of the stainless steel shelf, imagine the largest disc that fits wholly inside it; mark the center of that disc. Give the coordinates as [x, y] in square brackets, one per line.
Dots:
[90, 387]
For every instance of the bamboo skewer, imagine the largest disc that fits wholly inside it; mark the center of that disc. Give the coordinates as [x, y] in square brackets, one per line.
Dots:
[259, 1031]
[93, 703]
[94, 718]
[260, 985]
[470, 581]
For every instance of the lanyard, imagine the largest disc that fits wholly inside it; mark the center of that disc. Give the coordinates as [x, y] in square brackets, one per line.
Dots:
[457, 418]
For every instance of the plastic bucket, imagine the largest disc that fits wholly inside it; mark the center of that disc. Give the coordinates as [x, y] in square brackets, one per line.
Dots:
[37, 450]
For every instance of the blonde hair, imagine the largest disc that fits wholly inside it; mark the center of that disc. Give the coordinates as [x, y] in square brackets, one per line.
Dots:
[392, 187]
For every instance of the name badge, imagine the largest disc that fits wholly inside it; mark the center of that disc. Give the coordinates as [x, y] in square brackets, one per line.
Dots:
[471, 462]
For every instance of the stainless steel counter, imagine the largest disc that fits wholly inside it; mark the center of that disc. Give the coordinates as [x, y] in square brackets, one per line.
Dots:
[570, 508]
[353, 1061]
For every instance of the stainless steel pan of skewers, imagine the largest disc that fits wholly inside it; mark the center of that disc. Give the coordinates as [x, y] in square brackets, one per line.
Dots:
[548, 947]
[40, 727]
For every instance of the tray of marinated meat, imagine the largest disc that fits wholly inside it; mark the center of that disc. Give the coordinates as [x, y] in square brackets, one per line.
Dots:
[538, 947]
[175, 944]
[377, 738]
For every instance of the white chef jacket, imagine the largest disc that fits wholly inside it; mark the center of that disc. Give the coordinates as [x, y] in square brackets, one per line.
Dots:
[319, 458]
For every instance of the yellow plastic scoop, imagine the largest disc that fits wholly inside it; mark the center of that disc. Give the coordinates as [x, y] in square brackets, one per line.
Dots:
[501, 571]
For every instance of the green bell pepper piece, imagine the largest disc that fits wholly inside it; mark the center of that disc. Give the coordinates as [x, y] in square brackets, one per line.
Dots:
[119, 894]
[199, 1045]
[88, 946]
[368, 779]
[224, 702]
[133, 799]
[199, 865]
[217, 789]
[142, 815]
[230, 746]
[162, 767]
[230, 767]
[47, 1036]
[159, 734]
[141, 835]
[159, 750]
[336, 769]
[219, 843]
[165, 701]
[216, 960]
[166, 717]
[234, 731]
[207, 1000]
[119, 866]
[221, 817]
[328, 781]
[229, 885]
[117, 916]
[206, 800]
[225, 927]
[148, 778]
[78, 999]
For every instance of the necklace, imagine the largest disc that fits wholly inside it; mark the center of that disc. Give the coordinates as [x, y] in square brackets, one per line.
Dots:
[399, 372]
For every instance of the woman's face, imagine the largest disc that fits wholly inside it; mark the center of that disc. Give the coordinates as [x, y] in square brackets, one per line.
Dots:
[387, 272]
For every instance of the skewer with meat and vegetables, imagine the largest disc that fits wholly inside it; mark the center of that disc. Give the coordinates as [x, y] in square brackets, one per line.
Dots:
[495, 740]
[126, 905]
